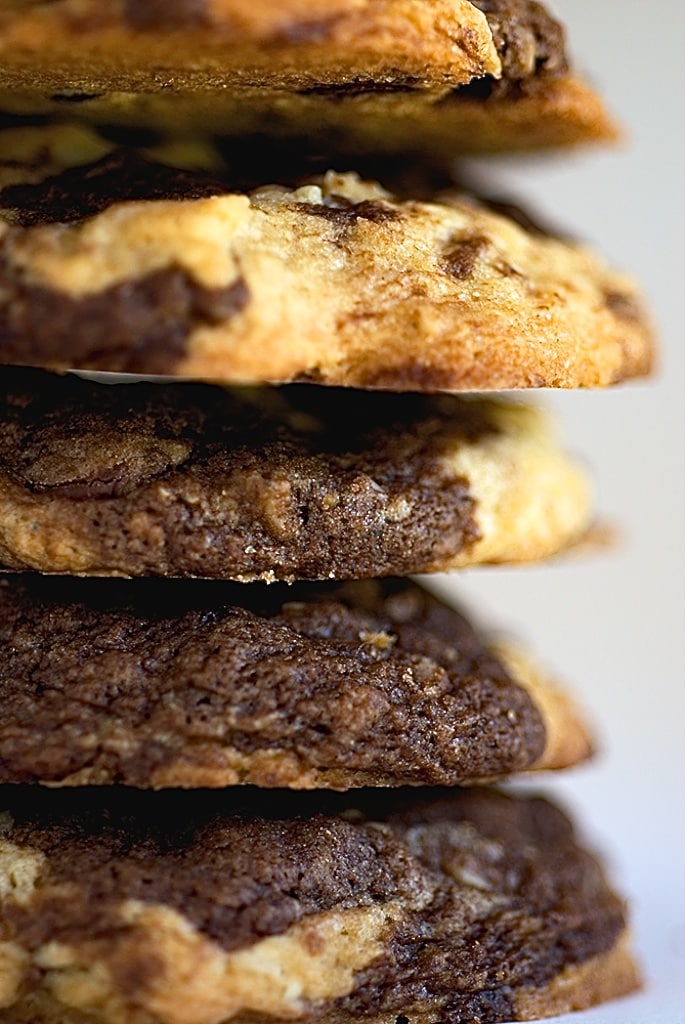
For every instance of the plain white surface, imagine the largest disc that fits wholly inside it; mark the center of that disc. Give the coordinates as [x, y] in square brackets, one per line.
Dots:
[612, 626]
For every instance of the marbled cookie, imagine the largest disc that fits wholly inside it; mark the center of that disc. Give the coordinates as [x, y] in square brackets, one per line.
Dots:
[132, 908]
[356, 75]
[311, 686]
[335, 281]
[291, 483]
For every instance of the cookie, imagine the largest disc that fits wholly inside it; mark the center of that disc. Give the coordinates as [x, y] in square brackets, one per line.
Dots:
[342, 75]
[175, 684]
[334, 282]
[291, 483]
[187, 908]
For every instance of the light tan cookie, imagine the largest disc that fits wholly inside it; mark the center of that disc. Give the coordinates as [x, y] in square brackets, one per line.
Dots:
[329, 687]
[348, 75]
[335, 281]
[351, 124]
[189, 908]
[294, 483]
[91, 45]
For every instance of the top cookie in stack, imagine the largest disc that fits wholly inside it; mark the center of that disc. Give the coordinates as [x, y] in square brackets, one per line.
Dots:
[351, 75]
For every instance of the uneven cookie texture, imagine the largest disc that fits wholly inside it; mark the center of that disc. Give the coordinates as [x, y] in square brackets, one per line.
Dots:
[353, 122]
[343, 75]
[457, 905]
[335, 281]
[177, 684]
[278, 44]
[292, 483]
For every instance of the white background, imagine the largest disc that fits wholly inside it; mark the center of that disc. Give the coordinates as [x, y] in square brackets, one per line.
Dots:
[613, 626]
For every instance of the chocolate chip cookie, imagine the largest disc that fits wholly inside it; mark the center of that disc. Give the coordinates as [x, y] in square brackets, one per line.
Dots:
[123, 261]
[340, 75]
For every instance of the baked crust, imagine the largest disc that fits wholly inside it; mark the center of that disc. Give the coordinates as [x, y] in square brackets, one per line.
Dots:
[93, 46]
[274, 484]
[353, 123]
[596, 981]
[434, 905]
[330, 687]
[349, 76]
[335, 282]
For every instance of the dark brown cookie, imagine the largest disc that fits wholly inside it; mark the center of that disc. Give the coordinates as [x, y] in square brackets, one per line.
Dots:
[169, 908]
[304, 482]
[176, 684]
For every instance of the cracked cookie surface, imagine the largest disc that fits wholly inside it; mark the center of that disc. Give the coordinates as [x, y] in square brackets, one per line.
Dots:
[121, 908]
[365, 684]
[111, 258]
[274, 484]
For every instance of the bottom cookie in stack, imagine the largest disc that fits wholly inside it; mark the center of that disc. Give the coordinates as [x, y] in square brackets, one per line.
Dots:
[251, 905]
[243, 904]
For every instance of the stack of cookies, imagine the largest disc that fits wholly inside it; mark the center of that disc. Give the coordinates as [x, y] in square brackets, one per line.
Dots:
[205, 609]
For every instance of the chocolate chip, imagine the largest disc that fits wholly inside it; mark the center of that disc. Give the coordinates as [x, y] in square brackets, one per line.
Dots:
[621, 305]
[460, 258]
[341, 210]
[165, 14]
[314, 30]
[86, 190]
[529, 41]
